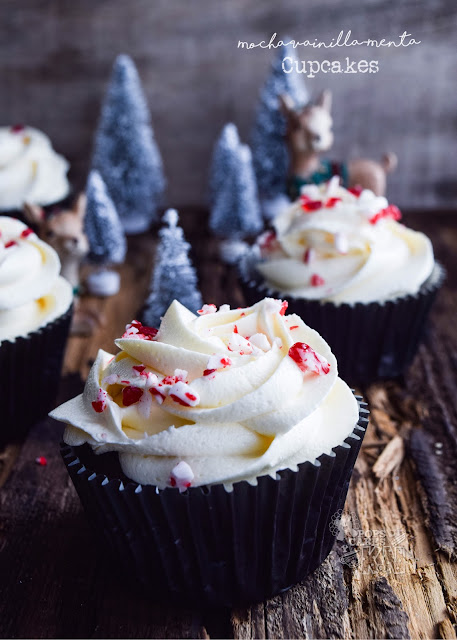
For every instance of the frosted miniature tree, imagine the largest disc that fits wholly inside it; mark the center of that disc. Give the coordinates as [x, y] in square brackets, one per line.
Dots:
[105, 236]
[236, 212]
[125, 151]
[174, 277]
[227, 142]
[269, 149]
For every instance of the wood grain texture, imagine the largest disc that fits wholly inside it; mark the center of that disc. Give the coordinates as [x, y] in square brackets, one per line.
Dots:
[56, 55]
[392, 573]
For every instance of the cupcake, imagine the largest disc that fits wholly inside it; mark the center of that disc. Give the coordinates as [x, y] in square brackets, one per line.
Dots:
[30, 170]
[351, 271]
[211, 454]
[35, 312]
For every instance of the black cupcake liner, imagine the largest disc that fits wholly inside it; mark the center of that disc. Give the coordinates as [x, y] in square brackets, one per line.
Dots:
[210, 545]
[371, 341]
[29, 376]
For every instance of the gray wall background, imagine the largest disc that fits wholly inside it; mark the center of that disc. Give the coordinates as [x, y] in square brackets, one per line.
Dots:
[55, 59]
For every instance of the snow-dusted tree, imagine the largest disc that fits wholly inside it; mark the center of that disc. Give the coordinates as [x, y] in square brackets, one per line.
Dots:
[174, 276]
[221, 159]
[236, 212]
[105, 235]
[125, 151]
[269, 149]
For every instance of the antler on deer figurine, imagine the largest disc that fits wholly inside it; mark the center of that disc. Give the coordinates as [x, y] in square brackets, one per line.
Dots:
[309, 133]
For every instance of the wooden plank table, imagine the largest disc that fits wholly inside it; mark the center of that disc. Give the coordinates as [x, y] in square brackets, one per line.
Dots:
[392, 573]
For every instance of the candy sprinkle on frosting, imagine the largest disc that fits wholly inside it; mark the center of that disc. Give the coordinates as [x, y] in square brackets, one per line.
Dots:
[308, 360]
[137, 330]
[99, 405]
[206, 309]
[181, 476]
[316, 280]
[181, 394]
[131, 395]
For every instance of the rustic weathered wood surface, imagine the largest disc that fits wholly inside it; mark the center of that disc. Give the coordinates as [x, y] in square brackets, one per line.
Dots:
[56, 56]
[392, 573]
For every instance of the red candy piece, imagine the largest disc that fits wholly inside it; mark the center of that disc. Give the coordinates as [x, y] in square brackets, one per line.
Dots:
[308, 360]
[144, 333]
[26, 232]
[316, 280]
[391, 211]
[308, 255]
[268, 241]
[235, 329]
[41, 460]
[130, 395]
[155, 392]
[139, 367]
[226, 362]
[99, 406]
[282, 311]
[11, 243]
[208, 372]
[17, 128]
[310, 205]
[181, 401]
[331, 202]
[294, 327]
[356, 191]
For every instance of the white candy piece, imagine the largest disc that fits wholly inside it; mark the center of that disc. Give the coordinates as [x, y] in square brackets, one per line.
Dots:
[260, 340]
[218, 361]
[206, 309]
[181, 476]
[183, 392]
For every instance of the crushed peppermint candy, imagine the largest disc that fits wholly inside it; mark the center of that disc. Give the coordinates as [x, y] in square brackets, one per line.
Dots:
[206, 309]
[26, 232]
[260, 341]
[137, 330]
[316, 280]
[11, 243]
[113, 378]
[268, 241]
[308, 360]
[157, 393]
[210, 373]
[239, 344]
[218, 361]
[391, 211]
[99, 405]
[224, 307]
[17, 128]
[131, 395]
[181, 476]
[309, 255]
[276, 306]
[356, 191]
[180, 392]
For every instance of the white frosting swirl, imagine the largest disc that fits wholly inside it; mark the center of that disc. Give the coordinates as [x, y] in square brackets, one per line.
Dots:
[338, 246]
[31, 291]
[30, 170]
[226, 392]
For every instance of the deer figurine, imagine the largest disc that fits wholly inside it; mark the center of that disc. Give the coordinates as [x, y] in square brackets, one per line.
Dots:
[64, 231]
[309, 133]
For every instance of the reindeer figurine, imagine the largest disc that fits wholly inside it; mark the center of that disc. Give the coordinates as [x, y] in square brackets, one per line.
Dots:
[309, 133]
[64, 231]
